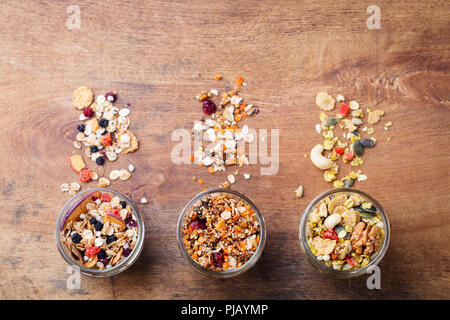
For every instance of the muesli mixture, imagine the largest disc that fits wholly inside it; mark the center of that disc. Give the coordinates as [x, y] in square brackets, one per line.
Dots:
[104, 132]
[356, 138]
[221, 232]
[222, 132]
[345, 231]
[99, 231]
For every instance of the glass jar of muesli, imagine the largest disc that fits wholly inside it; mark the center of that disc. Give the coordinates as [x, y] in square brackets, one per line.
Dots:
[100, 232]
[221, 233]
[344, 232]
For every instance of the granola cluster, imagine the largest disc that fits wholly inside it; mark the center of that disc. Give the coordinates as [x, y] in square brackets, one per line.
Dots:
[345, 231]
[104, 131]
[224, 138]
[100, 231]
[350, 148]
[221, 232]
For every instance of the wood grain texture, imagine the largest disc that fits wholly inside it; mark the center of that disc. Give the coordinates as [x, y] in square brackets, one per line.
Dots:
[158, 55]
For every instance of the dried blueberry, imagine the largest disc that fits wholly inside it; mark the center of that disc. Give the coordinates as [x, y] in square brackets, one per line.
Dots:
[123, 204]
[98, 226]
[110, 239]
[101, 254]
[93, 149]
[100, 160]
[103, 123]
[81, 127]
[76, 238]
[93, 221]
[209, 107]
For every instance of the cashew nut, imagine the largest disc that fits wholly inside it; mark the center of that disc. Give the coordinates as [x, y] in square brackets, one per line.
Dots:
[332, 220]
[318, 159]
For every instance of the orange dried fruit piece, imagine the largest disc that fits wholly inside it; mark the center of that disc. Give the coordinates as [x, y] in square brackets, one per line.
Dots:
[76, 163]
[218, 77]
[239, 81]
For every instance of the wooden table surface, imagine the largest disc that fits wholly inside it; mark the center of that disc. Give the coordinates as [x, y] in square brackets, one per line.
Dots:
[158, 55]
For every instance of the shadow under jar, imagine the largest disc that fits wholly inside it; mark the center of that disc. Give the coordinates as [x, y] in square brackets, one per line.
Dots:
[344, 232]
[221, 233]
[100, 232]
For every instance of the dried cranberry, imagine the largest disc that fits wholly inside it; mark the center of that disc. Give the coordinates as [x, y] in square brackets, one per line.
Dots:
[88, 112]
[126, 252]
[111, 96]
[105, 261]
[198, 224]
[218, 258]
[209, 107]
[130, 222]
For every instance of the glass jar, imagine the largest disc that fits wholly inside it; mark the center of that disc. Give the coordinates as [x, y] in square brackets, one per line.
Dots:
[339, 273]
[229, 272]
[122, 266]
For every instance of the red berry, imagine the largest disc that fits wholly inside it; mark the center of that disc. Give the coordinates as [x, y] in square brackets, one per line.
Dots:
[88, 112]
[344, 109]
[111, 96]
[91, 251]
[348, 156]
[209, 107]
[106, 197]
[85, 175]
[339, 150]
[330, 234]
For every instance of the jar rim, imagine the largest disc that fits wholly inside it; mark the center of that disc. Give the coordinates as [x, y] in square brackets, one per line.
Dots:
[230, 272]
[126, 263]
[339, 273]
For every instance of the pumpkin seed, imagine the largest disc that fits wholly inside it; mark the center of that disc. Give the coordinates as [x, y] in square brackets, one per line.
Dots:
[367, 143]
[349, 182]
[340, 230]
[372, 210]
[366, 214]
[331, 122]
[358, 148]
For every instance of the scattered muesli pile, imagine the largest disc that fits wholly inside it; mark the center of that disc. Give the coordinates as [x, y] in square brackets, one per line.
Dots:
[351, 148]
[99, 231]
[224, 137]
[105, 134]
[221, 232]
[345, 231]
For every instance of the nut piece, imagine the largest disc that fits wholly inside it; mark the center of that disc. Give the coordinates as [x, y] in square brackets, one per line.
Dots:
[318, 159]
[82, 98]
[332, 220]
[299, 192]
[324, 101]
